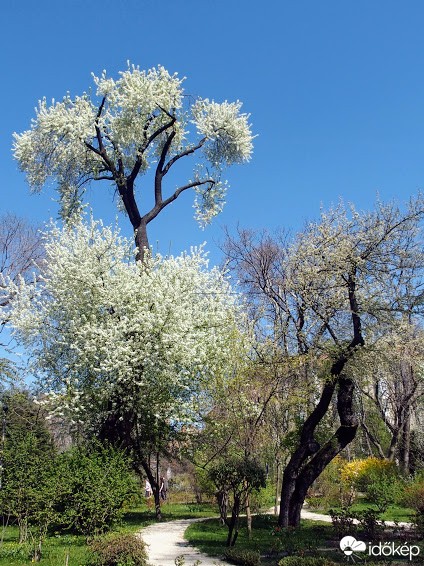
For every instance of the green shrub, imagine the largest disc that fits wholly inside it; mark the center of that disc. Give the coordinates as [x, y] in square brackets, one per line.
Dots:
[305, 561]
[262, 499]
[242, 557]
[413, 495]
[329, 489]
[119, 550]
[383, 489]
[98, 487]
[16, 551]
[369, 523]
[343, 521]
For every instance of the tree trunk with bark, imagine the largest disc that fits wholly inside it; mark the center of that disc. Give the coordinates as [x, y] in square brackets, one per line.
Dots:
[310, 459]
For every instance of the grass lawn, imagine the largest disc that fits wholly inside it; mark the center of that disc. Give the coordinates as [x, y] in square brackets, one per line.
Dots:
[313, 538]
[56, 548]
[393, 513]
[210, 537]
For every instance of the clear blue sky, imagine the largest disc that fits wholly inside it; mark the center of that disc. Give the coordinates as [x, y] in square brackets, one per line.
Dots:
[335, 89]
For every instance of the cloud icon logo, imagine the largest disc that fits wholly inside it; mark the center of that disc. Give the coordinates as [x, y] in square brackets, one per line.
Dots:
[349, 545]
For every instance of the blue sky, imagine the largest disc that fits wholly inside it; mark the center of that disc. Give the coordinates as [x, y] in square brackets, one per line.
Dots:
[335, 89]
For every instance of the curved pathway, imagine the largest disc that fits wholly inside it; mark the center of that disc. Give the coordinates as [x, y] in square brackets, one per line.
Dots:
[166, 541]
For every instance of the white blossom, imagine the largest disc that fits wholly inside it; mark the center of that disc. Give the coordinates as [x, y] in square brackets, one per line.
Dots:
[99, 325]
[129, 123]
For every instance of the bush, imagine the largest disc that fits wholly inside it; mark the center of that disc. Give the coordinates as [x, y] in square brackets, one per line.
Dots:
[263, 499]
[377, 478]
[242, 557]
[305, 561]
[413, 495]
[369, 523]
[329, 489]
[119, 550]
[99, 487]
[343, 521]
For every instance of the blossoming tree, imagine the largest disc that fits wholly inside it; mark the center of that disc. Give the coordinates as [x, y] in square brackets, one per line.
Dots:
[130, 349]
[322, 297]
[138, 121]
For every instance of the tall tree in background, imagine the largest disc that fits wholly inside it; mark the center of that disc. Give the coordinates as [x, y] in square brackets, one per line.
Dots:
[139, 121]
[20, 249]
[321, 295]
[390, 374]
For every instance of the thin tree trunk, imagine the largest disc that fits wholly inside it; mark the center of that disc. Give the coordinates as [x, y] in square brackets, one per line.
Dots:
[277, 487]
[248, 518]
[233, 523]
[406, 442]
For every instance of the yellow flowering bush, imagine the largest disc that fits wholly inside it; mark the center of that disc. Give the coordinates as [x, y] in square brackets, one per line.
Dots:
[358, 473]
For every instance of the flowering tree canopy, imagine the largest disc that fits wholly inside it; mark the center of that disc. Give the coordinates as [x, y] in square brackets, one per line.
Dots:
[132, 123]
[130, 351]
[149, 335]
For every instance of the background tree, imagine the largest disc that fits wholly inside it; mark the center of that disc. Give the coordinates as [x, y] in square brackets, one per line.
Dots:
[137, 121]
[239, 477]
[341, 280]
[395, 387]
[20, 249]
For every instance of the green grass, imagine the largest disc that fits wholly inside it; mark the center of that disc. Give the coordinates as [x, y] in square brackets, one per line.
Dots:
[393, 513]
[313, 538]
[54, 550]
[56, 547]
[210, 537]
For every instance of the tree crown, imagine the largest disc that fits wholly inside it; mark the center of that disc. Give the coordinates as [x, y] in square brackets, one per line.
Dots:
[140, 119]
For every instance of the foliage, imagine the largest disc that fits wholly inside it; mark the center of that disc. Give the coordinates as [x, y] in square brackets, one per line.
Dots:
[242, 557]
[414, 494]
[414, 497]
[331, 489]
[140, 119]
[149, 335]
[343, 520]
[97, 488]
[28, 475]
[240, 476]
[358, 472]
[369, 523]
[376, 477]
[119, 550]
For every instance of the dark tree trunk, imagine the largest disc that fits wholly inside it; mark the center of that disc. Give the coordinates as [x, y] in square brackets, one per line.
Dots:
[406, 442]
[310, 459]
[141, 240]
[233, 522]
[155, 487]
[222, 497]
